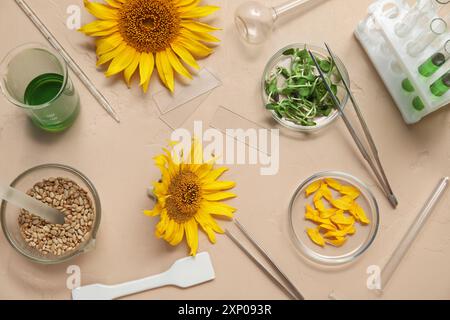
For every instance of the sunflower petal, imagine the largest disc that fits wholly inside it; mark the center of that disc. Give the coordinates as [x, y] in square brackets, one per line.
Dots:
[108, 43]
[165, 70]
[119, 63]
[176, 64]
[196, 48]
[146, 66]
[191, 229]
[96, 26]
[114, 3]
[101, 11]
[218, 209]
[199, 36]
[218, 186]
[129, 71]
[197, 12]
[197, 26]
[218, 196]
[111, 54]
[185, 55]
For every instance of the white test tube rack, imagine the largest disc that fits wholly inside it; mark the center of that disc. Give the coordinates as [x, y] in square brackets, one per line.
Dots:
[388, 53]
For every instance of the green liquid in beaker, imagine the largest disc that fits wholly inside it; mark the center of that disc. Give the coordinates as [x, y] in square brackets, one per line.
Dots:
[407, 85]
[418, 104]
[43, 89]
[441, 86]
[429, 67]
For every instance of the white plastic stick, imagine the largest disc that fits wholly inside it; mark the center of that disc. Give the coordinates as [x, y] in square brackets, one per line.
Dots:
[22, 200]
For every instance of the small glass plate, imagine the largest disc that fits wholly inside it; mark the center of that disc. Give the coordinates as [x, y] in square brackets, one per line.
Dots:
[355, 246]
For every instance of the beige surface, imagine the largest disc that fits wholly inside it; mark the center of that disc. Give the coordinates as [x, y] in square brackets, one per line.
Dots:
[118, 159]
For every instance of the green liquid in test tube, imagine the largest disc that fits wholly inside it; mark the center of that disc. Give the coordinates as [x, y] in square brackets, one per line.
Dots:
[441, 86]
[429, 67]
[418, 104]
[407, 85]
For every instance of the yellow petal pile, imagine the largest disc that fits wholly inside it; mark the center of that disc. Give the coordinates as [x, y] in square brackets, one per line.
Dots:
[189, 195]
[135, 36]
[337, 222]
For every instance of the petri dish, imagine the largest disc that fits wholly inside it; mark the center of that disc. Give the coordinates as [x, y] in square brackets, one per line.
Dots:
[279, 59]
[355, 246]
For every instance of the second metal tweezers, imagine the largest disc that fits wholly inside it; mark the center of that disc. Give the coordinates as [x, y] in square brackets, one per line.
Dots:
[289, 288]
[376, 165]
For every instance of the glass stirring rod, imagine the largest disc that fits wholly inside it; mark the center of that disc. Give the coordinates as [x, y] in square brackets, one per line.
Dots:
[405, 244]
[255, 21]
[72, 64]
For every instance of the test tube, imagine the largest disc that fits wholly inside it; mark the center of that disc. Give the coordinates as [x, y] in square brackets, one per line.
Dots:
[438, 26]
[433, 63]
[419, 10]
[412, 233]
[441, 86]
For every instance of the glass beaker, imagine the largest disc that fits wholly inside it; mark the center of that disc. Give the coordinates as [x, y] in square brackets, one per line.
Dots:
[35, 78]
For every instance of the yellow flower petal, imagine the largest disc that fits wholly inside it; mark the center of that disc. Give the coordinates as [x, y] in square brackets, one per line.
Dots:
[191, 230]
[218, 209]
[121, 62]
[185, 55]
[316, 237]
[313, 187]
[165, 70]
[129, 71]
[146, 66]
[101, 11]
[197, 26]
[111, 54]
[219, 196]
[108, 43]
[176, 64]
[219, 185]
[198, 12]
[196, 48]
[93, 28]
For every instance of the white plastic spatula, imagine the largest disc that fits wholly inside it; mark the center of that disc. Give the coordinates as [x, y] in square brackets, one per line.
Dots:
[22, 200]
[184, 273]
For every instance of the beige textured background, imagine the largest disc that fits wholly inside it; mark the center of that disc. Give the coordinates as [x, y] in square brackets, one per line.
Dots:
[118, 160]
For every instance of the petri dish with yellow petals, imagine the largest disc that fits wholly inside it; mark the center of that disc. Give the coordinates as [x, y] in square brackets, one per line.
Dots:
[333, 218]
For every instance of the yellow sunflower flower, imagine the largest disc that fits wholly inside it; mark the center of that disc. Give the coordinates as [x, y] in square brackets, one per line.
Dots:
[189, 194]
[142, 34]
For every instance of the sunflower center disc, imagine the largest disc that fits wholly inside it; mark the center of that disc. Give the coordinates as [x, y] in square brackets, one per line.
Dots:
[149, 25]
[185, 195]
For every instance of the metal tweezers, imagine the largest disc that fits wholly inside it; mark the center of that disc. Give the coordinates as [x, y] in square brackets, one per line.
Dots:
[289, 288]
[376, 166]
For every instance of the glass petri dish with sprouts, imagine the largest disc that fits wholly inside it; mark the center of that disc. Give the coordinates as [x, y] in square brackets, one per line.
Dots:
[302, 110]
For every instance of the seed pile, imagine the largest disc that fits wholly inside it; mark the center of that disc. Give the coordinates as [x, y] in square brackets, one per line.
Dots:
[74, 202]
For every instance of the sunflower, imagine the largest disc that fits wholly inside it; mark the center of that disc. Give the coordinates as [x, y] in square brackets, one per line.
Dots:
[143, 34]
[189, 194]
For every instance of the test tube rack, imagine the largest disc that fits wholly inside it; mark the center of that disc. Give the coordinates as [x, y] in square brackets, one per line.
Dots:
[388, 53]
